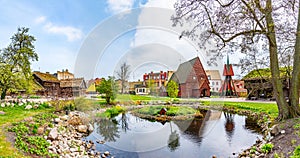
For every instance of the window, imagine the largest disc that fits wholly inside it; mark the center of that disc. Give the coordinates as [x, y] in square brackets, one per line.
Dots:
[213, 83]
[162, 77]
[194, 78]
[208, 77]
[217, 89]
[217, 83]
[213, 89]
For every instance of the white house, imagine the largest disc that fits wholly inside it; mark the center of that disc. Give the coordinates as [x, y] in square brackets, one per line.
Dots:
[215, 81]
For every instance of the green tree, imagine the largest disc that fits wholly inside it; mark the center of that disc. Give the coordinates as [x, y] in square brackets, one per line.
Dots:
[109, 88]
[15, 62]
[249, 26]
[172, 89]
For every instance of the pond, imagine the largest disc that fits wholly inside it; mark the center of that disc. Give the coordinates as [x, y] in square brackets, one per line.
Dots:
[219, 133]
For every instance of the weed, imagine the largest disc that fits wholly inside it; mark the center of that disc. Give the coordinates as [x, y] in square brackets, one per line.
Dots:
[253, 149]
[296, 126]
[266, 148]
[293, 142]
[296, 152]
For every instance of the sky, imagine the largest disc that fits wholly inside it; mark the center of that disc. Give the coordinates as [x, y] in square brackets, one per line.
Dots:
[93, 38]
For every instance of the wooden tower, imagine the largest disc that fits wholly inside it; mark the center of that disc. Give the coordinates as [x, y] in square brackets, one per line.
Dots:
[228, 88]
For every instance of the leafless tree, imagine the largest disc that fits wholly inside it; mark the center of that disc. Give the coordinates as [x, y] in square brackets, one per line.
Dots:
[123, 75]
[242, 25]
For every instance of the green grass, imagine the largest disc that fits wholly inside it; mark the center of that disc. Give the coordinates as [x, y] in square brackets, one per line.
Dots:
[111, 112]
[171, 110]
[268, 108]
[128, 97]
[14, 114]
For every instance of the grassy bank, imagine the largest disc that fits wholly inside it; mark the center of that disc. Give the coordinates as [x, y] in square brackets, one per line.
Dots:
[13, 114]
[268, 108]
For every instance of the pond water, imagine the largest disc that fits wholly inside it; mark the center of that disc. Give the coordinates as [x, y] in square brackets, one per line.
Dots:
[221, 134]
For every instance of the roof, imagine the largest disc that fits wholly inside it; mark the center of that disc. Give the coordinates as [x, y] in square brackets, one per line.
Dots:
[264, 73]
[45, 76]
[228, 71]
[36, 86]
[75, 82]
[214, 74]
[183, 71]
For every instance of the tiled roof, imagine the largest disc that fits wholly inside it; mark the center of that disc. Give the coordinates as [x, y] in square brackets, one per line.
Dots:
[183, 71]
[45, 76]
[214, 74]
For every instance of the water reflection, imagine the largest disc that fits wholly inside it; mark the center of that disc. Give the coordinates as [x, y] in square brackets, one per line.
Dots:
[229, 125]
[218, 133]
[108, 129]
[173, 142]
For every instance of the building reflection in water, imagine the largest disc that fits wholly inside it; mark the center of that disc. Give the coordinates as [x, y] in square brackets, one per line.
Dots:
[229, 125]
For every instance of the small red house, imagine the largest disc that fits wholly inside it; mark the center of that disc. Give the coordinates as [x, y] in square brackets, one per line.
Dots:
[192, 79]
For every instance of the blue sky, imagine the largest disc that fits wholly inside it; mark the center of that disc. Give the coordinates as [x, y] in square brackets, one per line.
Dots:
[92, 38]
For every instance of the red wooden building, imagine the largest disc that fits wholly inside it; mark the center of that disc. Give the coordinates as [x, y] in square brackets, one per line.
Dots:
[192, 79]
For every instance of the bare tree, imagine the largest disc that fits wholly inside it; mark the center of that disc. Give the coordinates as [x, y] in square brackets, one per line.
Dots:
[123, 75]
[239, 25]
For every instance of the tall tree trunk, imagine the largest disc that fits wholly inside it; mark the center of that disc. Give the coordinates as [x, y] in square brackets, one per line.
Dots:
[3, 93]
[276, 81]
[295, 85]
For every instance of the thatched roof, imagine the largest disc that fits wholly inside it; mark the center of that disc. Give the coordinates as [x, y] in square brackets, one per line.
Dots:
[45, 76]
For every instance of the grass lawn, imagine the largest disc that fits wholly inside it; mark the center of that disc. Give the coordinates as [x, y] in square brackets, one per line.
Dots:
[13, 114]
[269, 108]
[171, 110]
[128, 97]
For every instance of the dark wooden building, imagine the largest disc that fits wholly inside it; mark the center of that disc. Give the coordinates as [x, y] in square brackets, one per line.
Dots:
[72, 87]
[49, 83]
[192, 79]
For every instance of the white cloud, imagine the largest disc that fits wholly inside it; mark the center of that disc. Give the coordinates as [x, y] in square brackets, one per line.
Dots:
[40, 20]
[155, 16]
[72, 33]
[116, 6]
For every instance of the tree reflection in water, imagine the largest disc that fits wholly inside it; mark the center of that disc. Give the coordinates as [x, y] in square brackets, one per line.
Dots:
[173, 142]
[229, 125]
[108, 129]
[124, 122]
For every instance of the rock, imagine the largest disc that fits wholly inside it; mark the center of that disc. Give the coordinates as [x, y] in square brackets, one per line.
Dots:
[106, 153]
[75, 120]
[90, 128]
[73, 150]
[282, 131]
[274, 130]
[82, 128]
[2, 105]
[57, 120]
[36, 106]
[28, 107]
[40, 130]
[64, 118]
[53, 134]
[103, 156]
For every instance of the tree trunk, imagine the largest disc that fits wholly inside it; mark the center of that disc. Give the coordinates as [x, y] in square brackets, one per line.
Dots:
[107, 100]
[3, 93]
[276, 81]
[295, 85]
